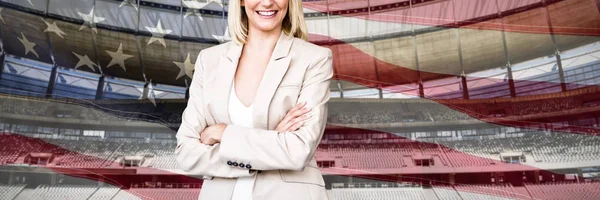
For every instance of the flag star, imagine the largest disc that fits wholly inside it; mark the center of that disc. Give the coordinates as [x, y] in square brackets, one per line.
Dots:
[1, 9]
[158, 33]
[90, 20]
[194, 8]
[53, 28]
[28, 45]
[184, 67]
[118, 57]
[151, 95]
[224, 37]
[85, 60]
[130, 2]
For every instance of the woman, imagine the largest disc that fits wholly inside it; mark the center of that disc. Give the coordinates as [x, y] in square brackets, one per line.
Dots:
[258, 107]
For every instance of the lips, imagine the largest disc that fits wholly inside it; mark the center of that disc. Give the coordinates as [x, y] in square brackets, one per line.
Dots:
[267, 13]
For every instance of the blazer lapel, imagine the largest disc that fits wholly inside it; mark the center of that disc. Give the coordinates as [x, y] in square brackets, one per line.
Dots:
[276, 69]
[225, 71]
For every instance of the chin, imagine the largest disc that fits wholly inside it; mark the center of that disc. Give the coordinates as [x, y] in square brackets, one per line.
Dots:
[267, 28]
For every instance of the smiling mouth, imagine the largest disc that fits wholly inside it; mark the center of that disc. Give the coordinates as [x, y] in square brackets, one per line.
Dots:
[268, 13]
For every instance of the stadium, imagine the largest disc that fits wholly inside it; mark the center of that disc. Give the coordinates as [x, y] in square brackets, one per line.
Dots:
[431, 99]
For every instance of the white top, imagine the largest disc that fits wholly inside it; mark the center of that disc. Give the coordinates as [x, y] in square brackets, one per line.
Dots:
[241, 116]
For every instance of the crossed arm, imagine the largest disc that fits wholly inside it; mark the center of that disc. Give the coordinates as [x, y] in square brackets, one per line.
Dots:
[262, 149]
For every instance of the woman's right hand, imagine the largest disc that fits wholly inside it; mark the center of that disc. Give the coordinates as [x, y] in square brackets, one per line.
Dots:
[294, 118]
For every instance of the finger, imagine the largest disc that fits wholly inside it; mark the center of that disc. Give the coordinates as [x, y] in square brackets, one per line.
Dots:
[297, 107]
[291, 115]
[296, 126]
[204, 140]
[289, 124]
[294, 121]
[301, 112]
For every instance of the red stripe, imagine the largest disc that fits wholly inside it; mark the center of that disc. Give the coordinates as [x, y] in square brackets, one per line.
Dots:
[569, 17]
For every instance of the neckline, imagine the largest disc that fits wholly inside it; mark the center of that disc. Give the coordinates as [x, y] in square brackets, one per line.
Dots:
[237, 98]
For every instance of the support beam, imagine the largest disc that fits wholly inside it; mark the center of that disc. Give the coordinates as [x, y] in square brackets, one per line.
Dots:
[53, 73]
[340, 89]
[463, 79]
[100, 88]
[138, 47]
[379, 86]
[421, 89]
[145, 91]
[465, 89]
[370, 35]
[416, 54]
[511, 81]
[579, 175]
[51, 81]
[187, 89]
[2, 57]
[561, 74]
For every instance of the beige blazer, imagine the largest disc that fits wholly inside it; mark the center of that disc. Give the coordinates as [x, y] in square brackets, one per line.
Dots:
[283, 162]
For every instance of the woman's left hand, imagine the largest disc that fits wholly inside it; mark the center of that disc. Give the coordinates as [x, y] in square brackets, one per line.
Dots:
[212, 134]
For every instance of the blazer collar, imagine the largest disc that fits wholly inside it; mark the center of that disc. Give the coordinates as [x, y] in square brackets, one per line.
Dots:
[282, 48]
[276, 69]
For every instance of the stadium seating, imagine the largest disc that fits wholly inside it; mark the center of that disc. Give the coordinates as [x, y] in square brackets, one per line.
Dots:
[162, 193]
[564, 190]
[353, 154]
[126, 195]
[376, 193]
[342, 112]
[60, 192]
[104, 193]
[10, 191]
[446, 192]
[485, 191]
[163, 156]
[341, 191]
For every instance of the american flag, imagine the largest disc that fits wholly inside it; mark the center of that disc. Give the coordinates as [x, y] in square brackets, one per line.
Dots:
[432, 99]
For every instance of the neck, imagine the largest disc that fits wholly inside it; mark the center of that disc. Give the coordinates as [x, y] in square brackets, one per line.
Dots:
[262, 41]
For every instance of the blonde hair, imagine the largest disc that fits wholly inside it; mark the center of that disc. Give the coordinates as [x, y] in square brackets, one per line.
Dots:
[293, 23]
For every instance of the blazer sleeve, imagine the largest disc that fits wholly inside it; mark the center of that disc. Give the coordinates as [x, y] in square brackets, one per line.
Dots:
[193, 156]
[271, 150]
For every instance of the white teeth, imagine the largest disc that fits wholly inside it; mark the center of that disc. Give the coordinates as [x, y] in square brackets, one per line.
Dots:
[266, 13]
